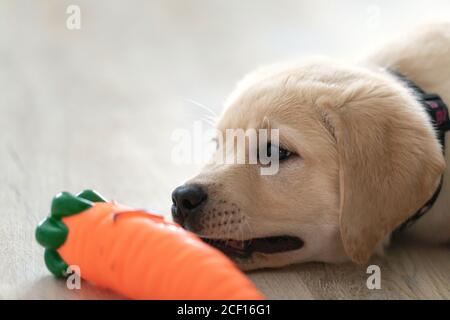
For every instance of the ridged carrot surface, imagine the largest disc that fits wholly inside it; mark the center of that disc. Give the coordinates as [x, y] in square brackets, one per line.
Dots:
[136, 253]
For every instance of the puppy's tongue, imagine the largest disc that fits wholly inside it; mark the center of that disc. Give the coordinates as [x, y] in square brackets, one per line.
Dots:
[235, 244]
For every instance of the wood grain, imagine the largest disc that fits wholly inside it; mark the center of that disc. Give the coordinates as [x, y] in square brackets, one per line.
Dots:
[95, 108]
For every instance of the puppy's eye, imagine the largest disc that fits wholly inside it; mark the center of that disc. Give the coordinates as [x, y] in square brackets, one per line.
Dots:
[283, 154]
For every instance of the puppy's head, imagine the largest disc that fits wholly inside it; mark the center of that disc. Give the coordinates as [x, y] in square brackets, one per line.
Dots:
[357, 157]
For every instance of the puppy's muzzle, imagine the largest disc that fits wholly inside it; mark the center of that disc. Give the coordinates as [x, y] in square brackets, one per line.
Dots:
[187, 202]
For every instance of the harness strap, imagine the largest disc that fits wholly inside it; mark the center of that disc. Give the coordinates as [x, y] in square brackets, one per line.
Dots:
[438, 113]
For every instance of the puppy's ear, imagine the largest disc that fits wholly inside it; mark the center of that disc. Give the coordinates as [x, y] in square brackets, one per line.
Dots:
[390, 165]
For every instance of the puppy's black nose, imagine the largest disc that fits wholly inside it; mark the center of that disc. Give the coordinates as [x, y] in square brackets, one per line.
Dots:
[186, 199]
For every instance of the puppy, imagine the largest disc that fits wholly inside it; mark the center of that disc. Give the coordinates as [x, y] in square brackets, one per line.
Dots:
[358, 156]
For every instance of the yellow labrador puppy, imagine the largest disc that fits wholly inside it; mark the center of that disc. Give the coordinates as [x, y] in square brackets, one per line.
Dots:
[359, 155]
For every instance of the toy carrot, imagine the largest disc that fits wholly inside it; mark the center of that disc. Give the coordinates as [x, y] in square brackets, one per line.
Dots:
[135, 253]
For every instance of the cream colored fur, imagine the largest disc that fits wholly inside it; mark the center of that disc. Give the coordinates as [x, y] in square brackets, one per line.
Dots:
[368, 157]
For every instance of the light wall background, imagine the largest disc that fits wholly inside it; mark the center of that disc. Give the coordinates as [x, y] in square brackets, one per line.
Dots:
[123, 81]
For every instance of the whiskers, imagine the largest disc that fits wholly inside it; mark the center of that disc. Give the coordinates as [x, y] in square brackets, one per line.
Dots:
[246, 226]
[210, 117]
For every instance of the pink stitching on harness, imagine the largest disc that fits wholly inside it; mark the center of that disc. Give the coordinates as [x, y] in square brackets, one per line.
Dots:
[433, 104]
[440, 116]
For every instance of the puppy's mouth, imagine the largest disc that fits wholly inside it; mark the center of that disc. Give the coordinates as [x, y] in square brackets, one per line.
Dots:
[245, 248]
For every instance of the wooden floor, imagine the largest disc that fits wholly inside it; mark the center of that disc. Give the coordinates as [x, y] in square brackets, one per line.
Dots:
[96, 107]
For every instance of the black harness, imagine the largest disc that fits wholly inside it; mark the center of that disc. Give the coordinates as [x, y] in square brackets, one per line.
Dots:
[438, 112]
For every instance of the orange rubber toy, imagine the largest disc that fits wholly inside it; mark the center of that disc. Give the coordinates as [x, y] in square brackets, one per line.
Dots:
[135, 253]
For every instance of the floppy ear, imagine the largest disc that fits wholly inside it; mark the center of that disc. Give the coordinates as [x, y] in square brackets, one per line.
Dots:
[390, 165]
